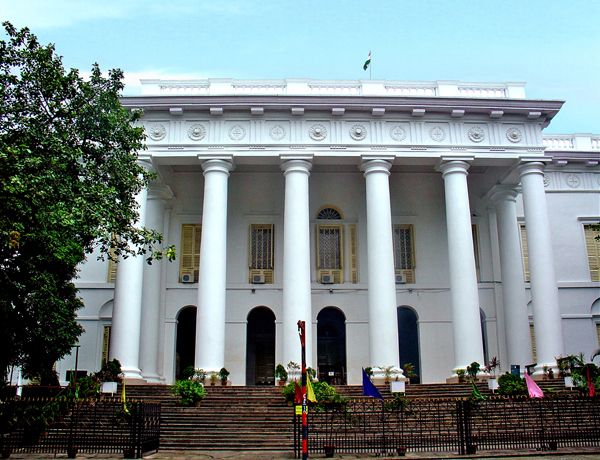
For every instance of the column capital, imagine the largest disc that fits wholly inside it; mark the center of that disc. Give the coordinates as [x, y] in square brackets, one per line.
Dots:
[530, 167]
[503, 192]
[447, 165]
[145, 161]
[376, 163]
[296, 163]
[220, 164]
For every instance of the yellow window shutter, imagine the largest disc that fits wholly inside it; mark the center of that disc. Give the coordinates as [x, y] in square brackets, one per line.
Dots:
[598, 332]
[105, 344]
[190, 250]
[112, 268]
[525, 254]
[593, 251]
[353, 253]
[533, 349]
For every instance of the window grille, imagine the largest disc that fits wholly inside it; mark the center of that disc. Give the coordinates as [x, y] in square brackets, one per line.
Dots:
[261, 257]
[329, 213]
[404, 251]
[353, 253]
[533, 349]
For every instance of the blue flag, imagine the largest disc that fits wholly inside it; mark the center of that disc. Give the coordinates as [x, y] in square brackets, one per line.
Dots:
[368, 388]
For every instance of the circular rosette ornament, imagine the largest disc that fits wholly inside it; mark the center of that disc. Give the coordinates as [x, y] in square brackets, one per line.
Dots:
[237, 132]
[157, 132]
[358, 132]
[398, 133]
[476, 134]
[514, 135]
[437, 134]
[277, 132]
[197, 132]
[317, 132]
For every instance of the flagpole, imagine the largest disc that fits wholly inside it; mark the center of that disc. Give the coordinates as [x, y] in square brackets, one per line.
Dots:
[301, 331]
[370, 64]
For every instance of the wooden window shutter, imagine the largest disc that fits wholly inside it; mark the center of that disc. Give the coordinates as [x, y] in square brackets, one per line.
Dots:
[476, 250]
[112, 268]
[598, 332]
[593, 251]
[105, 344]
[533, 349]
[353, 253]
[190, 250]
[525, 254]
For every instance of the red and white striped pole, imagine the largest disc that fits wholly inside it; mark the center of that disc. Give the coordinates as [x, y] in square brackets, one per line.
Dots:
[301, 331]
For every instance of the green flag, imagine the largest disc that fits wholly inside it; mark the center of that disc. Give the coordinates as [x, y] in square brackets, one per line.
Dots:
[368, 62]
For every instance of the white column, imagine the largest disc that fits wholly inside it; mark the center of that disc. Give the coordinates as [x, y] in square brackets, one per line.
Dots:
[466, 320]
[382, 305]
[296, 259]
[210, 325]
[127, 307]
[150, 324]
[549, 342]
[516, 320]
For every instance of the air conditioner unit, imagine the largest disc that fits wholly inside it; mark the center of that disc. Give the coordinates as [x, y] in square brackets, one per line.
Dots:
[327, 279]
[187, 276]
[258, 279]
[400, 279]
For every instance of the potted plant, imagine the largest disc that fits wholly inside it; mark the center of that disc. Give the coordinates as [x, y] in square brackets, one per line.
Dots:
[200, 375]
[460, 373]
[491, 369]
[409, 371]
[311, 373]
[388, 372]
[109, 376]
[223, 375]
[293, 368]
[213, 378]
[281, 374]
[190, 392]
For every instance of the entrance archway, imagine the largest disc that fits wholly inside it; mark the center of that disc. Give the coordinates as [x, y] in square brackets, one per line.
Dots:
[185, 345]
[408, 340]
[260, 347]
[331, 346]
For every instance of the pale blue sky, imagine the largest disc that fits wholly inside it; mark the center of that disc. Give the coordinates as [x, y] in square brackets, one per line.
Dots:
[552, 45]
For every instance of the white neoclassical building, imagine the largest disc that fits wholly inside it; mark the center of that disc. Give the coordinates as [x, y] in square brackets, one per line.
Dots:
[431, 223]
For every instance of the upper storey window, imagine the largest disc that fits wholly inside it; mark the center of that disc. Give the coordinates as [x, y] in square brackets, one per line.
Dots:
[330, 244]
[261, 257]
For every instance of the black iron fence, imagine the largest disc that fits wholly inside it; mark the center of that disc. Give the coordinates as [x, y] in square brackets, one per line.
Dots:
[366, 425]
[59, 426]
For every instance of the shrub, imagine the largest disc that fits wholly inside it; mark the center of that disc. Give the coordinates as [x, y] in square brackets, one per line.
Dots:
[511, 385]
[189, 391]
[110, 372]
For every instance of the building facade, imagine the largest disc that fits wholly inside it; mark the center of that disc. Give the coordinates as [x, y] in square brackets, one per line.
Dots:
[430, 223]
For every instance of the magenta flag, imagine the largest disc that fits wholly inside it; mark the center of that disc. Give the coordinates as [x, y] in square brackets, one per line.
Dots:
[590, 383]
[532, 388]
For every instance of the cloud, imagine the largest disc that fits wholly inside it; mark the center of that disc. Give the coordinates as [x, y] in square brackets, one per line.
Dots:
[44, 14]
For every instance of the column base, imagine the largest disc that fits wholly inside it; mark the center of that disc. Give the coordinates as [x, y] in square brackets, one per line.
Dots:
[153, 379]
[133, 376]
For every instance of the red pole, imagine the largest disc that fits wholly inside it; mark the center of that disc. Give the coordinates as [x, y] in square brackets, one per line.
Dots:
[301, 331]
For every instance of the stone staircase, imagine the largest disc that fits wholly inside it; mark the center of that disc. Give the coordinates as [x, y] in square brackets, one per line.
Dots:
[256, 418]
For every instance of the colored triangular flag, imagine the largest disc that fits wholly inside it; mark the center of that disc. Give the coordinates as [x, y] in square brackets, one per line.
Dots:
[533, 388]
[310, 394]
[590, 383]
[368, 62]
[476, 393]
[297, 394]
[368, 388]
[124, 399]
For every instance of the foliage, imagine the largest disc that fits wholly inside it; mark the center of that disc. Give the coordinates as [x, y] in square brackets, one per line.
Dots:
[409, 370]
[460, 373]
[511, 385]
[388, 371]
[398, 403]
[84, 388]
[110, 372]
[567, 364]
[281, 373]
[492, 366]
[580, 378]
[213, 377]
[223, 374]
[69, 175]
[369, 371]
[324, 394]
[312, 374]
[189, 391]
[188, 373]
[473, 369]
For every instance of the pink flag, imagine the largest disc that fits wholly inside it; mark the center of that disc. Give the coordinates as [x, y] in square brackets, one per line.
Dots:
[532, 388]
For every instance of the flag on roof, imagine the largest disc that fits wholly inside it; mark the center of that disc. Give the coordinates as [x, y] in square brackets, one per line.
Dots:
[368, 388]
[368, 62]
[532, 388]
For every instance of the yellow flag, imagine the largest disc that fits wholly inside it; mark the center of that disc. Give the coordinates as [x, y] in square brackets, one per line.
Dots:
[124, 399]
[310, 394]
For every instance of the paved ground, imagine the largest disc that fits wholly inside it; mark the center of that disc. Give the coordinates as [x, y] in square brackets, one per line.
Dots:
[566, 454]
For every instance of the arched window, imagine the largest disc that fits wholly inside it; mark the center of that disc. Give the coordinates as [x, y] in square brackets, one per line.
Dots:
[330, 247]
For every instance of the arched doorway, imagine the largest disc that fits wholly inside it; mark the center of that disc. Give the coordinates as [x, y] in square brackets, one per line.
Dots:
[331, 346]
[185, 345]
[484, 340]
[260, 347]
[408, 340]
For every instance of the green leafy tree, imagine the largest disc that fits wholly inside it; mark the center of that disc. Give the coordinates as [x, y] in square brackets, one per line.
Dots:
[69, 175]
